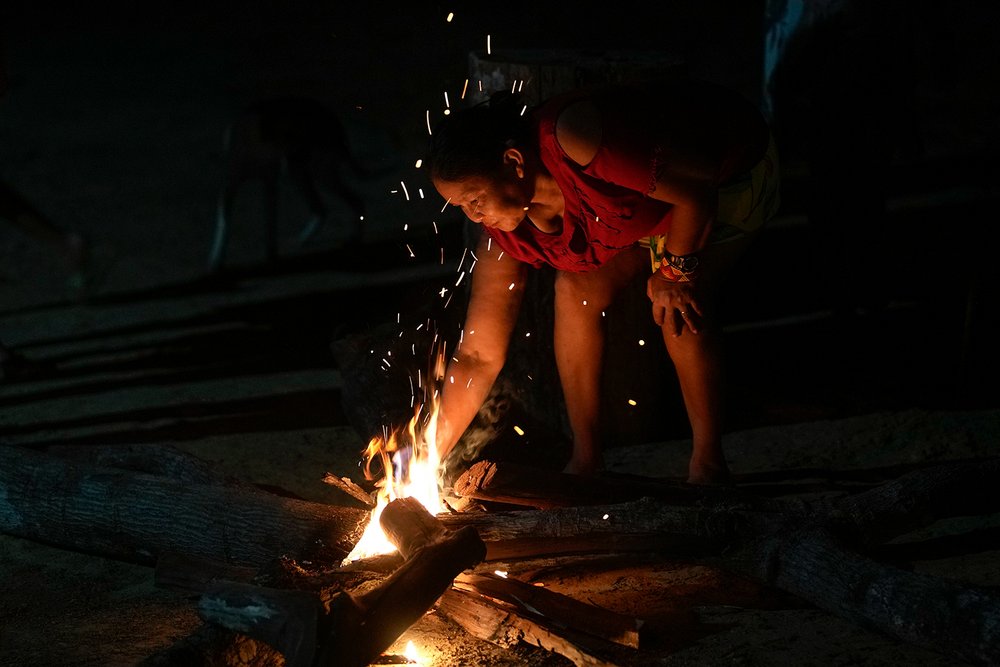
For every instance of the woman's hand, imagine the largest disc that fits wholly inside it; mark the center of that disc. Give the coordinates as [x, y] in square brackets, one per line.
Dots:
[674, 303]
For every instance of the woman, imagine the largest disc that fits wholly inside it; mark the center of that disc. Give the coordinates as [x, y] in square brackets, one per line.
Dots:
[601, 184]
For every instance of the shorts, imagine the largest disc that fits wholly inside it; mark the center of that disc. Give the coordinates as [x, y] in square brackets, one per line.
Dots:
[745, 204]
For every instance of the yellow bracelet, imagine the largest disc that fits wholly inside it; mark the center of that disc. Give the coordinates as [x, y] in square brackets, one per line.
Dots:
[673, 275]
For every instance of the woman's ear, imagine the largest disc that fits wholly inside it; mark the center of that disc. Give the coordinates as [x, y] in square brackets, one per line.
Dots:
[513, 157]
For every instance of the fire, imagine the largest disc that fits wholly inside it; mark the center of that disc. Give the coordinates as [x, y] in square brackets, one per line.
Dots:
[411, 463]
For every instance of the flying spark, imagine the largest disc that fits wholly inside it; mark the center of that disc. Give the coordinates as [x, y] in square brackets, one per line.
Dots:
[405, 191]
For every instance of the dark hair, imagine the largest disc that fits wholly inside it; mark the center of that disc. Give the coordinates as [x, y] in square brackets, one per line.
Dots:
[471, 142]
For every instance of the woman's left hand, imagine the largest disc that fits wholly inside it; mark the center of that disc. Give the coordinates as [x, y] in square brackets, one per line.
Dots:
[674, 303]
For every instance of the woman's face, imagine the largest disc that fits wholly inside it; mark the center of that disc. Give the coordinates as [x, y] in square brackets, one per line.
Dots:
[499, 202]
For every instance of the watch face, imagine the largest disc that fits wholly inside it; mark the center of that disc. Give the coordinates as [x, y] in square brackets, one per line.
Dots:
[684, 264]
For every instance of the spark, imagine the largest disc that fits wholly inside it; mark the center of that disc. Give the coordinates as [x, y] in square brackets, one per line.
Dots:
[446, 103]
[500, 255]
[442, 256]
[631, 402]
[412, 254]
[428, 115]
[471, 252]
[444, 290]
[397, 317]
[462, 260]
[405, 191]
[464, 86]
[469, 383]
[500, 573]
[488, 48]
[452, 379]
[585, 302]
[641, 342]
[418, 163]
[523, 109]
[480, 85]
[520, 86]
[513, 87]
[406, 226]
[473, 265]
[386, 361]
[447, 201]
[451, 15]
[460, 276]
[489, 244]
[527, 334]
[606, 517]
[434, 224]
[510, 287]
[519, 430]
[420, 191]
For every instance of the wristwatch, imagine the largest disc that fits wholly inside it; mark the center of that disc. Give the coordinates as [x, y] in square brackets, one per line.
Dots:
[683, 263]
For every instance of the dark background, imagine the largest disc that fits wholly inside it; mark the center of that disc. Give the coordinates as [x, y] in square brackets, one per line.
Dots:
[115, 113]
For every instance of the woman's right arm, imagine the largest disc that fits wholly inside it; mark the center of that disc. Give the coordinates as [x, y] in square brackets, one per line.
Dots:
[498, 282]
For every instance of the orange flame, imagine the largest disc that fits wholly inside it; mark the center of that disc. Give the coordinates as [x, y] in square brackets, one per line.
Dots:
[410, 464]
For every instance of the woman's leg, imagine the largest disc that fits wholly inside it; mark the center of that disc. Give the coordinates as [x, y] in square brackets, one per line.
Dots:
[698, 360]
[580, 299]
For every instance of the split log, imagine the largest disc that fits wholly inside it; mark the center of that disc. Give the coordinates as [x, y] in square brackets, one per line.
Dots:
[500, 624]
[560, 609]
[137, 517]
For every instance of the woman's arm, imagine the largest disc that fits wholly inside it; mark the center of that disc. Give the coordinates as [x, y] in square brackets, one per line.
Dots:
[497, 289]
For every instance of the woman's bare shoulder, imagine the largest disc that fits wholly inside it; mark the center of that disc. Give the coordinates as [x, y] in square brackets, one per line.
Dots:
[578, 131]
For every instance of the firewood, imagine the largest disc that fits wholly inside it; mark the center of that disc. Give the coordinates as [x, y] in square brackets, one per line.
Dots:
[286, 620]
[560, 609]
[138, 517]
[355, 629]
[368, 624]
[502, 624]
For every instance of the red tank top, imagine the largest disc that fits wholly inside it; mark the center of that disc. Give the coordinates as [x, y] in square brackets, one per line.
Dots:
[606, 204]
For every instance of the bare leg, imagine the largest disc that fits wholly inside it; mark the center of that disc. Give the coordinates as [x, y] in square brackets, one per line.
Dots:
[579, 338]
[698, 359]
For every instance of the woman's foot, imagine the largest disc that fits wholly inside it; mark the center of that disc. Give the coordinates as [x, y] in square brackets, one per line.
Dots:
[586, 467]
[709, 475]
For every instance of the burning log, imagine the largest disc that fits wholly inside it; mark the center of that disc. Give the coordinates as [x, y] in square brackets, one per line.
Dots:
[354, 629]
[136, 517]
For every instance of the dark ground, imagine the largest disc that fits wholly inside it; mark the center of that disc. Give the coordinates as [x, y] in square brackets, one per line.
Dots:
[113, 126]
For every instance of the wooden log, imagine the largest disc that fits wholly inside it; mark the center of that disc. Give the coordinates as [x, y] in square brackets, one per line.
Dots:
[355, 629]
[645, 525]
[500, 624]
[367, 625]
[949, 617]
[138, 517]
[287, 620]
[561, 610]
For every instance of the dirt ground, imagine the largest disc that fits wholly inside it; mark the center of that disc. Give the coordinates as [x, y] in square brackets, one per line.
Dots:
[116, 131]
